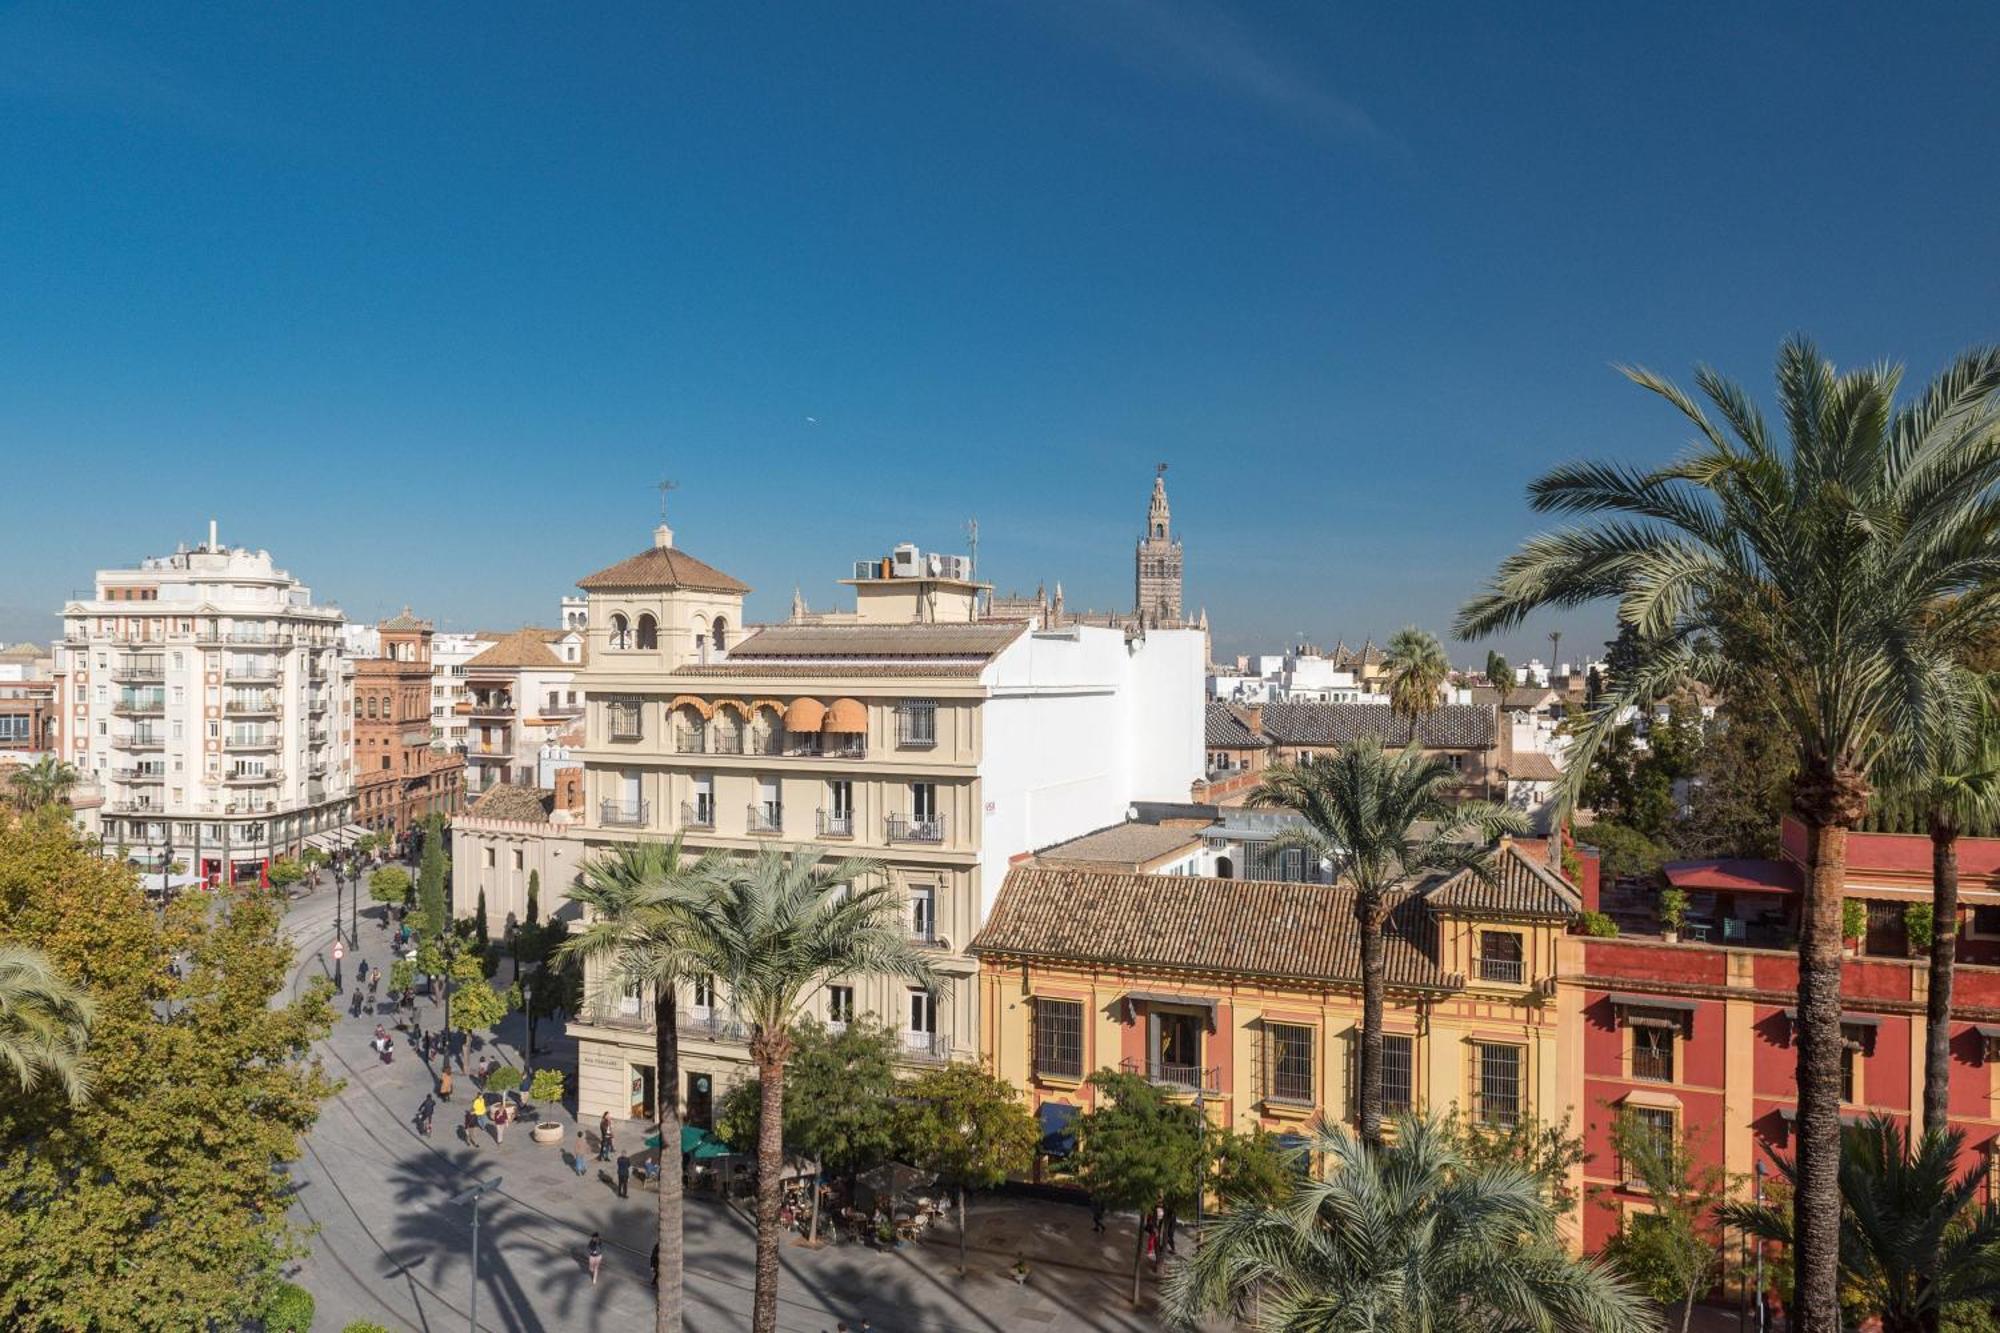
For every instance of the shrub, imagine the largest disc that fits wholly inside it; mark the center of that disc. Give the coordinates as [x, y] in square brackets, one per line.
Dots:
[290, 1310]
[285, 872]
[504, 1079]
[1673, 908]
[403, 975]
[365, 1326]
[548, 1086]
[1921, 925]
[1599, 925]
[1853, 918]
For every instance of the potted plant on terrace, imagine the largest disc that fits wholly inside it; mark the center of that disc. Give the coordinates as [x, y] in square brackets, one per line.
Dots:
[1673, 912]
[1853, 923]
[1920, 925]
[547, 1089]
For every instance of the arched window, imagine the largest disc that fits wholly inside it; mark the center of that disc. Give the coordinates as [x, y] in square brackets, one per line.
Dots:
[767, 731]
[719, 635]
[1224, 869]
[621, 631]
[649, 631]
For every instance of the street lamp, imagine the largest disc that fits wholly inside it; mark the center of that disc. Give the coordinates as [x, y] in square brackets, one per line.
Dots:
[1758, 1295]
[472, 1195]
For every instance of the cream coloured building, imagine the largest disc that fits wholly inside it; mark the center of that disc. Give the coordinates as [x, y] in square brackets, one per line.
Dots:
[911, 732]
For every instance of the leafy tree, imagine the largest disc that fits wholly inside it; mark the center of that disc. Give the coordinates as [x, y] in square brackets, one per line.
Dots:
[1248, 1170]
[739, 1116]
[1406, 1238]
[840, 1092]
[1547, 1150]
[1915, 1243]
[1593, 686]
[1742, 780]
[534, 896]
[47, 781]
[547, 1086]
[1623, 658]
[1666, 1251]
[504, 1079]
[1501, 677]
[1622, 851]
[389, 885]
[638, 901]
[403, 976]
[314, 858]
[433, 873]
[970, 1127]
[285, 872]
[1362, 810]
[1609, 785]
[1417, 670]
[157, 1201]
[772, 930]
[290, 1310]
[475, 1007]
[1136, 1148]
[1850, 566]
[44, 1023]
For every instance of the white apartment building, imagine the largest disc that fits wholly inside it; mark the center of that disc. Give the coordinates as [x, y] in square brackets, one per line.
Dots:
[208, 698]
[521, 695]
[450, 651]
[910, 732]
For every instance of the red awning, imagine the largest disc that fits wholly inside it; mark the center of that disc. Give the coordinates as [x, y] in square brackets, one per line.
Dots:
[1728, 875]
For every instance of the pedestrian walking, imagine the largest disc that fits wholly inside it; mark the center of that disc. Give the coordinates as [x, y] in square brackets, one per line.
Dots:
[479, 1109]
[1152, 1227]
[656, 1263]
[471, 1128]
[604, 1137]
[444, 1085]
[424, 1113]
[596, 1256]
[581, 1157]
[1171, 1224]
[361, 973]
[500, 1118]
[1097, 1214]
[624, 1176]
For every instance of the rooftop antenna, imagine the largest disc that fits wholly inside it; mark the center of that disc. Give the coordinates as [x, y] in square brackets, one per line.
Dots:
[972, 538]
[663, 486]
[663, 536]
[1555, 652]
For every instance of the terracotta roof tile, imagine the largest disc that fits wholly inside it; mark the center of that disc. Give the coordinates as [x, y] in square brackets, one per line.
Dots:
[846, 666]
[1534, 766]
[662, 567]
[980, 640]
[1128, 845]
[1226, 730]
[1287, 932]
[1452, 727]
[509, 800]
[522, 648]
[1518, 885]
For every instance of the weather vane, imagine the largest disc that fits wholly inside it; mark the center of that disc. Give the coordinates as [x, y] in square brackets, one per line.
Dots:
[663, 485]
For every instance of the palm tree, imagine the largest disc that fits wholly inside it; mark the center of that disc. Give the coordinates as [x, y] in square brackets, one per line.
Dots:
[772, 930]
[1501, 677]
[1360, 810]
[1845, 570]
[1913, 1241]
[1405, 1238]
[44, 1023]
[1952, 777]
[1417, 670]
[43, 782]
[638, 902]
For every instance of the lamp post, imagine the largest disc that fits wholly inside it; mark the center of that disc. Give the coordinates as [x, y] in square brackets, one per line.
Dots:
[472, 1195]
[1758, 1295]
[1201, 1163]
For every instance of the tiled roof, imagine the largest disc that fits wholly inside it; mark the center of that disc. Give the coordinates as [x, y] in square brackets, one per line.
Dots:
[510, 800]
[981, 641]
[1452, 727]
[662, 567]
[404, 623]
[1228, 731]
[854, 667]
[23, 652]
[1256, 928]
[1127, 845]
[1516, 884]
[1534, 766]
[522, 648]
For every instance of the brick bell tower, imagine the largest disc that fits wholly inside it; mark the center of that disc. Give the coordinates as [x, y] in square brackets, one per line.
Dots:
[1157, 566]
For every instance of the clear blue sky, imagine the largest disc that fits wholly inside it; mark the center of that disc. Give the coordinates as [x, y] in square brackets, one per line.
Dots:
[424, 298]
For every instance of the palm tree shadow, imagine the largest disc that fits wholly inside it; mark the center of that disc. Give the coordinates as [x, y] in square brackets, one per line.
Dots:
[431, 1240]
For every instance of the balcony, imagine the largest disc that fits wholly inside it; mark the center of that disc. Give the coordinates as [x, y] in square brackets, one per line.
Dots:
[926, 1048]
[908, 828]
[498, 706]
[245, 778]
[836, 825]
[1183, 1078]
[252, 740]
[316, 703]
[139, 670]
[726, 742]
[262, 705]
[144, 807]
[765, 817]
[690, 740]
[138, 705]
[140, 740]
[1653, 1064]
[1507, 970]
[708, 1025]
[258, 638]
[624, 814]
[318, 736]
[638, 1019]
[316, 671]
[243, 671]
[698, 814]
[140, 776]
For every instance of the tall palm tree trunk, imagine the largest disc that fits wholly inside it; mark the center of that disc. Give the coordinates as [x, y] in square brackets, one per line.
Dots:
[1368, 914]
[667, 1304]
[1944, 955]
[770, 1057]
[1830, 801]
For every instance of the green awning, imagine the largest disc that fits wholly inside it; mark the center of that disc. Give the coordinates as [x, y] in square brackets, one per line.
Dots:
[699, 1143]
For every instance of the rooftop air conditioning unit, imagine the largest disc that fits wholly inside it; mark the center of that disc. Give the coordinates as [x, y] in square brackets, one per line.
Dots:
[958, 567]
[905, 562]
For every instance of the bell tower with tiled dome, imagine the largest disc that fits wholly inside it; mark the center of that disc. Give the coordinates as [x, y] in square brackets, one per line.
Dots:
[1157, 571]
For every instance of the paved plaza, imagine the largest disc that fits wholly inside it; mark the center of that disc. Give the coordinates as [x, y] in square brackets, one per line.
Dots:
[390, 1248]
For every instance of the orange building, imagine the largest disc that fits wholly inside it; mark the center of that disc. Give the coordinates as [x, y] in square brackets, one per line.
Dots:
[1247, 993]
[400, 776]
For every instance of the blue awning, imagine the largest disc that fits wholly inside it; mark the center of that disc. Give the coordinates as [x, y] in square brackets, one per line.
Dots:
[1058, 1128]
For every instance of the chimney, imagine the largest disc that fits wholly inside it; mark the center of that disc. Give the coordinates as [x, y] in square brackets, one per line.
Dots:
[214, 542]
[1253, 715]
[663, 537]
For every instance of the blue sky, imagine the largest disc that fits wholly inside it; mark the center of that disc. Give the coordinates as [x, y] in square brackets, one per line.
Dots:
[425, 298]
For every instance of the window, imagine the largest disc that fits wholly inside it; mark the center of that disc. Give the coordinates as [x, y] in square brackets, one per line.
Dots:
[923, 1013]
[1498, 1070]
[1500, 956]
[720, 635]
[1656, 1128]
[1174, 1047]
[623, 717]
[923, 802]
[923, 912]
[840, 800]
[704, 996]
[517, 858]
[1288, 1063]
[1985, 923]
[1653, 1050]
[649, 631]
[1058, 1038]
[840, 1004]
[916, 723]
[621, 631]
[770, 812]
[489, 858]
